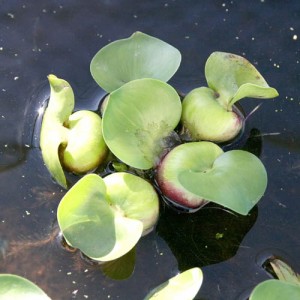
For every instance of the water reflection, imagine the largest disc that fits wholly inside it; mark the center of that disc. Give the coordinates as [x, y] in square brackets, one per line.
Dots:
[209, 236]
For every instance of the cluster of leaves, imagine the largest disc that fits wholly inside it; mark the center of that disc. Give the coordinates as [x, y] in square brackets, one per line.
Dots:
[143, 119]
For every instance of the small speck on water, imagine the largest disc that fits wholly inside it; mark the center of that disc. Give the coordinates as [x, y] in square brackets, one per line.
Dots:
[12, 16]
[16, 77]
[295, 37]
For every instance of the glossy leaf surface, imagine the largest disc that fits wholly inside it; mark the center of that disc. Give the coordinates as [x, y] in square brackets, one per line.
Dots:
[85, 148]
[275, 290]
[73, 141]
[53, 133]
[236, 179]
[233, 77]
[137, 118]
[13, 287]
[90, 223]
[205, 119]
[134, 196]
[136, 57]
[184, 286]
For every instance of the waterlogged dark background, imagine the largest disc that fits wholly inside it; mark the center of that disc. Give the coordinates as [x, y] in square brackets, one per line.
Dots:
[60, 37]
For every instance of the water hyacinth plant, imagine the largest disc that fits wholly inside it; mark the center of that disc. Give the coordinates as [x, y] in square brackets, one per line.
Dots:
[143, 126]
[105, 218]
[60, 145]
[19, 288]
[208, 113]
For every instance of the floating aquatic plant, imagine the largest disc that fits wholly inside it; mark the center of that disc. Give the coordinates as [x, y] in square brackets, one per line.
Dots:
[106, 218]
[193, 173]
[287, 287]
[19, 288]
[70, 140]
[208, 113]
[183, 286]
[137, 119]
[143, 122]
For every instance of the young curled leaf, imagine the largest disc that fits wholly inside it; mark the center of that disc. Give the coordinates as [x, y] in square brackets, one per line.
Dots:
[233, 77]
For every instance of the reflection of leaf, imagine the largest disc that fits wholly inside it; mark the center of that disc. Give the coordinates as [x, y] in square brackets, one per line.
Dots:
[139, 56]
[184, 286]
[121, 268]
[18, 288]
[192, 237]
[138, 116]
[233, 78]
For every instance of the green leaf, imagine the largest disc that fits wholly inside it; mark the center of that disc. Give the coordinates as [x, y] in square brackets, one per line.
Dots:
[53, 133]
[134, 196]
[233, 78]
[90, 223]
[275, 290]
[236, 179]
[73, 141]
[85, 148]
[136, 57]
[184, 286]
[18, 288]
[205, 119]
[137, 118]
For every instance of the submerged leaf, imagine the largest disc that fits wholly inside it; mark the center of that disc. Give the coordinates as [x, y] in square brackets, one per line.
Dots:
[120, 268]
[18, 288]
[136, 57]
[233, 77]
[137, 118]
[184, 286]
[89, 223]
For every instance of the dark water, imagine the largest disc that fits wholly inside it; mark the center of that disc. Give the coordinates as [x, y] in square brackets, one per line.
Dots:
[60, 37]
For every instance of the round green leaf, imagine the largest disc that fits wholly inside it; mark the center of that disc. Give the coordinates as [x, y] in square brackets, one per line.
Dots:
[85, 148]
[275, 290]
[136, 57]
[53, 133]
[194, 157]
[184, 286]
[236, 179]
[135, 196]
[13, 287]
[89, 223]
[137, 118]
[233, 77]
[205, 119]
